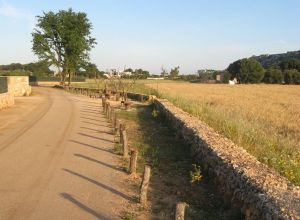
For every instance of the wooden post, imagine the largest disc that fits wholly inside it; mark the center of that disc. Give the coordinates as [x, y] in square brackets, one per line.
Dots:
[103, 102]
[104, 107]
[121, 127]
[133, 161]
[116, 124]
[113, 120]
[180, 211]
[108, 110]
[144, 185]
[125, 143]
[112, 115]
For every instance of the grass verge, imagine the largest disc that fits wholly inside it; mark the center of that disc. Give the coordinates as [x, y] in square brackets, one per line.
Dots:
[172, 168]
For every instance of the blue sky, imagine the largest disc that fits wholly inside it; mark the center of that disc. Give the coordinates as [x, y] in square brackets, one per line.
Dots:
[192, 34]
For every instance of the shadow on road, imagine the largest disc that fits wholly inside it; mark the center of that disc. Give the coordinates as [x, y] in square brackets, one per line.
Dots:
[99, 162]
[82, 206]
[97, 131]
[93, 119]
[98, 138]
[97, 113]
[91, 146]
[114, 191]
[87, 122]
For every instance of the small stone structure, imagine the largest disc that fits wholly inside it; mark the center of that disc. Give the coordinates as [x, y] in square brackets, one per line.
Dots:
[11, 86]
[19, 85]
[246, 184]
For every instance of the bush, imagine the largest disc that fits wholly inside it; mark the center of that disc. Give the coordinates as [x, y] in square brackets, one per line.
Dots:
[292, 77]
[273, 76]
[247, 70]
[227, 77]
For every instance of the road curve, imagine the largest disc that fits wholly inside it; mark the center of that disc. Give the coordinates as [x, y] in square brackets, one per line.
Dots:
[56, 160]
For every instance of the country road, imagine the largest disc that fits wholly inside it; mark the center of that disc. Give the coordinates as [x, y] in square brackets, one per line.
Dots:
[56, 159]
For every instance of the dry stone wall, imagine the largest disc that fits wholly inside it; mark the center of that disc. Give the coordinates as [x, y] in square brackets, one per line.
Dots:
[258, 191]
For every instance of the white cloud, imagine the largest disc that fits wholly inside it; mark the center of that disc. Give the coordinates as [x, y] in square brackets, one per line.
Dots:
[16, 14]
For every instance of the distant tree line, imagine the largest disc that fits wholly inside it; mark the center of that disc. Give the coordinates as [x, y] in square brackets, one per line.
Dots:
[249, 70]
[31, 69]
[137, 73]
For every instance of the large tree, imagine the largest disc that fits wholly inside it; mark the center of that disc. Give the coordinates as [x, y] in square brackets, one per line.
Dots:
[63, 39]
[174, 72]
[247, 70]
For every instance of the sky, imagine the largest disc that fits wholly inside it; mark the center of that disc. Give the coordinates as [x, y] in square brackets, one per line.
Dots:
[149, 34]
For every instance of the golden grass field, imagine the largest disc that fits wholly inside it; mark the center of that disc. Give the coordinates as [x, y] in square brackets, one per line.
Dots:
[263, 119]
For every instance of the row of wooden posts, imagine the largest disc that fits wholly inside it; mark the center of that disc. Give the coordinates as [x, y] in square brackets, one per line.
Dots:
[96, 93]
[119, 129]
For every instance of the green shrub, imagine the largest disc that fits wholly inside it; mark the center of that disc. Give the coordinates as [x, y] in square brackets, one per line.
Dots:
[292, 77]
[273, 76]
[247, 70]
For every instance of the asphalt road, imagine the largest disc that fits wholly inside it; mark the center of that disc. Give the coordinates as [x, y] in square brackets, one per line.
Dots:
[56, 159]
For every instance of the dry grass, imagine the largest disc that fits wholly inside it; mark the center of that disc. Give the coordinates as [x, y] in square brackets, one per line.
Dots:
[264, 119]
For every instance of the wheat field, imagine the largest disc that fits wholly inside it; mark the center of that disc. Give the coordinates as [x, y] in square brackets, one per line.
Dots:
[263, 119]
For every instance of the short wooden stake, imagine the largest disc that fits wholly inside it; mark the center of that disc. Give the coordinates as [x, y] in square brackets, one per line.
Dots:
[103, 102]
[144, 185]
[121, 127]
[115, 124]
[133, 161]
[112, 115]
[180, 210]
[105, 107]
[108, 110]
[125, 143]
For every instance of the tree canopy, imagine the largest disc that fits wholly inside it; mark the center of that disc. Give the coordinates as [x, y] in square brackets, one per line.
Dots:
[247, 70]
[40, 68]
[273, 76]
[63, 39]
[174, 72]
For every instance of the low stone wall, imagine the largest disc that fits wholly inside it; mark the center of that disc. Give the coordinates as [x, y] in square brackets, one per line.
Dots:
[19, 85]
[252, 187]
[6, 100]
